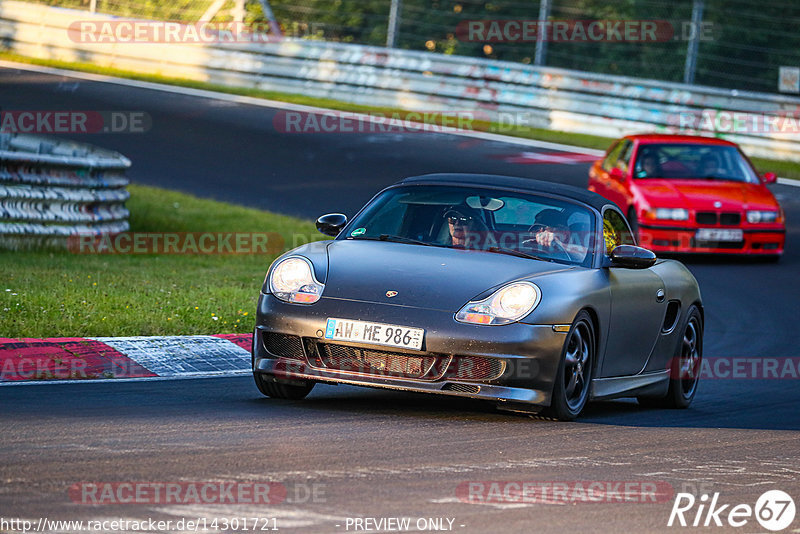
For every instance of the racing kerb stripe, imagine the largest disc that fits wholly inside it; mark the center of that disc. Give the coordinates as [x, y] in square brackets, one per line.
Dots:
[108, 358]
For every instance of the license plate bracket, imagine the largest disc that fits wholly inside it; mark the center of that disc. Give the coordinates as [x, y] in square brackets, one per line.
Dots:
[389, 335]
[727, 235]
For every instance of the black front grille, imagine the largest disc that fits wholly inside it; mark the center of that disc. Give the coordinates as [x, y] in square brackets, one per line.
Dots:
[283, 345]
[730, 219]
[730, 246]
[475, 368]
[462, 388]
[706, 217]
[733, 245]
[376, 362]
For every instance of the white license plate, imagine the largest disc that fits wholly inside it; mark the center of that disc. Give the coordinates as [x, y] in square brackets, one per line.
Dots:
[714, 234]
[374, 333]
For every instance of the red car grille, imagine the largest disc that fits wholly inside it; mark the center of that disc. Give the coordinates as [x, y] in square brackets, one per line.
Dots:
[706, 218]
[712, 218]
[730, 219]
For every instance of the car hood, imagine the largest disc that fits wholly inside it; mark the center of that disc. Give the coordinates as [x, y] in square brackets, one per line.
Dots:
[423, 277]
[702, 194]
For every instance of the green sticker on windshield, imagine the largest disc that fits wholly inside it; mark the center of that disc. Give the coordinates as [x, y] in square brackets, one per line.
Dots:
[358, 231]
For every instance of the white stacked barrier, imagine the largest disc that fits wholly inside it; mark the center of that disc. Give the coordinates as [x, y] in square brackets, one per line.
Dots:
[51, 190]
[540, 97]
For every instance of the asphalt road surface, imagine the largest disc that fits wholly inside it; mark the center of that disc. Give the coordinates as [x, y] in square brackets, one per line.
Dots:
[347, 453]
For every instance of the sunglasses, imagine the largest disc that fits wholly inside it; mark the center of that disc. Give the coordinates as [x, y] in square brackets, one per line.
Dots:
[453, 219]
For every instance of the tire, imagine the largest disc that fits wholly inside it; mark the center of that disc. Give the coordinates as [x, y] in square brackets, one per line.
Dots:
[684, 367]
[282, 389]
[575, 370]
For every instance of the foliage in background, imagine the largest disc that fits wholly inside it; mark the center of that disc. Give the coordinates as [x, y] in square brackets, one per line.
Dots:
[749, 39]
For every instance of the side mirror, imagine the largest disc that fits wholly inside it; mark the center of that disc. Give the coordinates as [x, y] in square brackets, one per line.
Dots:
[770, 177]
[331, 224]
[616, 174]
[632, 257]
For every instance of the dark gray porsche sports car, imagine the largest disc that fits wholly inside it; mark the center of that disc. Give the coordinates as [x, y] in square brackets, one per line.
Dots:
[529, 294]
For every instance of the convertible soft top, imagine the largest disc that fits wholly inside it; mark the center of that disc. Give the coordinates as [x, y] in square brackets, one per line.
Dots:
[511, 182]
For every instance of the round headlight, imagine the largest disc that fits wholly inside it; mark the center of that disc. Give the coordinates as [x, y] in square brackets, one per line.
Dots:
[506, 305]
[290, 275]
[293, 280]
[516, 299]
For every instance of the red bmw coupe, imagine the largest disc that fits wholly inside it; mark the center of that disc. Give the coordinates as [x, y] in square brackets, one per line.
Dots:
[691, 194]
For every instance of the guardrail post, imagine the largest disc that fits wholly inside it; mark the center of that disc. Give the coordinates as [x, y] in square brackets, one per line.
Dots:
[274, 26]
[238, 11]
[540, 56]
[694, 42]
[394, 23]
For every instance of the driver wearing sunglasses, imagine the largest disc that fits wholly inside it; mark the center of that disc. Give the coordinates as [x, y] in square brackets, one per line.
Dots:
[463, 227]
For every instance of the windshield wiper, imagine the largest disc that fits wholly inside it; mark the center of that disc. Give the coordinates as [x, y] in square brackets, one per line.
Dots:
[401, 239]
[394, 239]
[518, 253]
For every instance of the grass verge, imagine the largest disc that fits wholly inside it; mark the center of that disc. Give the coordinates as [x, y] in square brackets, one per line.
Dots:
[63, 294]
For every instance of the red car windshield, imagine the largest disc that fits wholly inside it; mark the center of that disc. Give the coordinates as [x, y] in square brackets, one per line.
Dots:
[693, 161]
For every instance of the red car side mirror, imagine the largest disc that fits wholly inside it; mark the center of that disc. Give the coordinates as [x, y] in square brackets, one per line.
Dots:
[617, 174]
[770, 177]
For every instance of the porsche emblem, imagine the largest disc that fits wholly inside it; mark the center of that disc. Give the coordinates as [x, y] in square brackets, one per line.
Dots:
[391, 294]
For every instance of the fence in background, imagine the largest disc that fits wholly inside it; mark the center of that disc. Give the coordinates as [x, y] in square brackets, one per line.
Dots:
[50, 190]
[540, 97]
[733, 44]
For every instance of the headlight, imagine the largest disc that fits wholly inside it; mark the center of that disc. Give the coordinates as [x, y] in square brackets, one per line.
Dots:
[292, 280]
[671, 214]
[756, 216]
[506, 305]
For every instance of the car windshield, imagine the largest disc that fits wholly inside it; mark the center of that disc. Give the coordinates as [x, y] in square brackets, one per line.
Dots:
[480, 219]
[693, 161]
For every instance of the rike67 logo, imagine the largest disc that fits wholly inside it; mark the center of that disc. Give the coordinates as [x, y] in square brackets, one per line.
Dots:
[774, 510]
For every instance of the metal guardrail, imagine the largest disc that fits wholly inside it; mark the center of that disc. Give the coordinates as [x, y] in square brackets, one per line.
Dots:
[540, 97]
[50, 190]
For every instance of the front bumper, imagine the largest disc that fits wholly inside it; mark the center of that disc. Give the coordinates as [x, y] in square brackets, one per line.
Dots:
[682, 240]
[524, 357]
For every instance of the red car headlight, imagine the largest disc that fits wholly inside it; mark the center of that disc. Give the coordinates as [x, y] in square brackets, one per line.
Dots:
[668, 214]
[762, 216]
